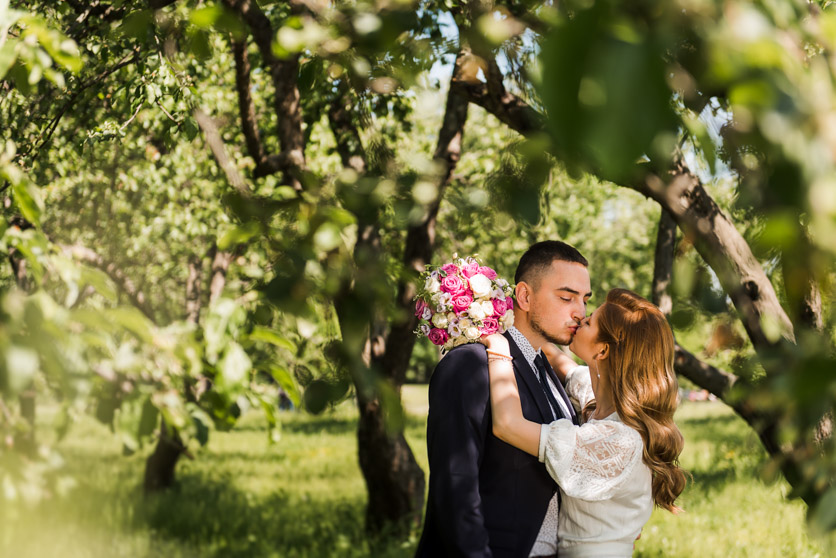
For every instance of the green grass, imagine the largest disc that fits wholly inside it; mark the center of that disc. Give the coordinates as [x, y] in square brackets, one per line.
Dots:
[305, 496]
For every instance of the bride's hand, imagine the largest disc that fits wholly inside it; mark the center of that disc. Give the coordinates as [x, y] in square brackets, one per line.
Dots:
[496, 342]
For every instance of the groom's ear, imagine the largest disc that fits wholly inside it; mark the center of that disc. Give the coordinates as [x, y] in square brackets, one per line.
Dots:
[523, 295]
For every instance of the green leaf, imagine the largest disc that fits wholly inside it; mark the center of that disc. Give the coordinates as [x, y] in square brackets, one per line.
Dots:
[234, 365]
[28, 200]
[206, 17]
[8, 55]
[133, 320]
[190, 128]
[148, 419]
[21, 365]
[99, 280]
[137, 24]
[317, 396]
[286, 381]
[202, 423]
[267, 335]
[238, 235]
[606, 94]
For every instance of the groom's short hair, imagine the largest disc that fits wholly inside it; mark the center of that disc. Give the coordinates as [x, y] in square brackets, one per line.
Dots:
[540, 256]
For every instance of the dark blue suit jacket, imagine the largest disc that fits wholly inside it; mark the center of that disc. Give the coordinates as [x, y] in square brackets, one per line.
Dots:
[486, 498]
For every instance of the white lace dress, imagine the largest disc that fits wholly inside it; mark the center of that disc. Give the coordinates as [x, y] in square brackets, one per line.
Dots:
[604, 484]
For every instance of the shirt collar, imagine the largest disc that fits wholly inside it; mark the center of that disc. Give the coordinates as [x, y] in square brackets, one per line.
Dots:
[524, 345]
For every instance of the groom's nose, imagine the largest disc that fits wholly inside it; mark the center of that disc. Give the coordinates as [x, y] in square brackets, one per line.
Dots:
[578, 311]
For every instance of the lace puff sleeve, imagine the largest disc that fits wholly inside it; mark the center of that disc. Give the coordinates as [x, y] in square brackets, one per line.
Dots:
[590, 462]
[579, 385]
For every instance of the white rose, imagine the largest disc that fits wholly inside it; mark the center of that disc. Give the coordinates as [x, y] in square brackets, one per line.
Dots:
[440, 321]
[464, 323]
[472, 333]
[508, 319]
[452, 318]
[487, 308]
[432, 285]
[476, 311]
[480, 285]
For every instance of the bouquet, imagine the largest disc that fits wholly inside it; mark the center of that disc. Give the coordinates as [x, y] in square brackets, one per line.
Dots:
[462, 301]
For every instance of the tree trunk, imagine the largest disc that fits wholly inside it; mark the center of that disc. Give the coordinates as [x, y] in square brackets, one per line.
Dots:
[161, 464]
[663, 262]
[394, 481]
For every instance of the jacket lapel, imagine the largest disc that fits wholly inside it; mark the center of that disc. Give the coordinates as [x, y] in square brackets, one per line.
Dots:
[524, 372]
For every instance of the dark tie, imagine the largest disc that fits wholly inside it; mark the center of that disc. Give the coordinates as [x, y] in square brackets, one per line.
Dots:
[540, 363]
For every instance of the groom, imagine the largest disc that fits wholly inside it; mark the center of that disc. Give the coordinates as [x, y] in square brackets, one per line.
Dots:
[487, 498]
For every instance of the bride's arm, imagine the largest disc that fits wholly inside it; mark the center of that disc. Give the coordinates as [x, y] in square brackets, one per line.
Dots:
[509, 424]
[561, 362]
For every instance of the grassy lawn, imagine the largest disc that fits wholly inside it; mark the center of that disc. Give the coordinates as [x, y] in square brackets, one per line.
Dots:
[305, 496]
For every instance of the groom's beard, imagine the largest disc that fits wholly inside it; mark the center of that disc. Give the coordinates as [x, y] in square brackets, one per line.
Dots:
[556, 338]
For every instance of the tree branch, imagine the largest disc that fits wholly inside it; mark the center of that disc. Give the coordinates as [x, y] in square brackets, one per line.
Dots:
[286, 103]
[125, 283]
[507, 107]
[724, 249]
[246, 107]
[50, 128]
[216, 145]
[349, 144]
[220, 267]
[193, 289]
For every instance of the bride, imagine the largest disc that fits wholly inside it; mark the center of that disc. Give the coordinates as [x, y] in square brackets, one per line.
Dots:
[623, 460]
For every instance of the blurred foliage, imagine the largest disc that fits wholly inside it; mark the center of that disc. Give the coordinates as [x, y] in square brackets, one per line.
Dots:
[100, 149]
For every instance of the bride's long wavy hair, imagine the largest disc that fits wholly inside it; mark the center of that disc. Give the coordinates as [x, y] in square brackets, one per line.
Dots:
[645, 390]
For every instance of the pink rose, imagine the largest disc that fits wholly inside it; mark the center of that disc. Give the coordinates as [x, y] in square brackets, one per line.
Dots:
[453, 284]
[437, 336]
[450, 268]
[489, 326]
[487, 272]
[470, 269]
[509, 303]
[462, 302]
[419, 307]
[499, 306]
